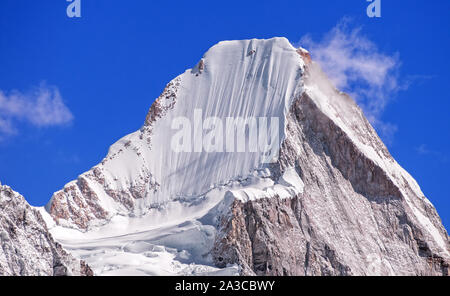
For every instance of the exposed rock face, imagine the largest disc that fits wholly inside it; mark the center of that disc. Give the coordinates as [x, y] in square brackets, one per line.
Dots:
[269, 237]
[27, 247]
[354, 217]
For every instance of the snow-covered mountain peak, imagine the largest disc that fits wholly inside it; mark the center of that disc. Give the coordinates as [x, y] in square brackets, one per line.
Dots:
[247, 79]
[254, 158]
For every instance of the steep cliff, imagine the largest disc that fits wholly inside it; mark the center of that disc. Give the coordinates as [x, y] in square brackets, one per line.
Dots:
[360, 213]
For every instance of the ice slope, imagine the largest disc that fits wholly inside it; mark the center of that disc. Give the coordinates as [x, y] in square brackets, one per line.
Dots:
[180, 249]
[234, 83]
[237, 79]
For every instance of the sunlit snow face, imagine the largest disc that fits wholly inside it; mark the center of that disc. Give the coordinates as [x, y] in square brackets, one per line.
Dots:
[226, 135]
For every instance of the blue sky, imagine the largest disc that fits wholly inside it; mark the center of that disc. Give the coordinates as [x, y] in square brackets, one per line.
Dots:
[98, 75]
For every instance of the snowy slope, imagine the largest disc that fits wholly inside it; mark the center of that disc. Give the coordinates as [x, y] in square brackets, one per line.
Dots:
[174, 240]
[239, 79]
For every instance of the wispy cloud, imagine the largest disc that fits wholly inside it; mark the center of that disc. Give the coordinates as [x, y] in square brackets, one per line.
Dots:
[356, 65]
[424, 150]
[41, 107]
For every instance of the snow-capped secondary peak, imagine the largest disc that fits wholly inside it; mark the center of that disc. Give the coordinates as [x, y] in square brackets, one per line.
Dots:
[27, 247]
[251, 161]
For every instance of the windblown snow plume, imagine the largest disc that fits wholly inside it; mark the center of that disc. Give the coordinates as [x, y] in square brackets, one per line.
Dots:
[355, 65]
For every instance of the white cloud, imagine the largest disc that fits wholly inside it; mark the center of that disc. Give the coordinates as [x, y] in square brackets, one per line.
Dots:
[42, 107]
[425, 151]
[356, 66]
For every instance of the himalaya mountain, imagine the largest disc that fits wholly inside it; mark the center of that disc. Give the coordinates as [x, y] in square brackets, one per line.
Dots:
[324, 197]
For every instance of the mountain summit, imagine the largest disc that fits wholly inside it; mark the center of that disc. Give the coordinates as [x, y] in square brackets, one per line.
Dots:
[311, 189]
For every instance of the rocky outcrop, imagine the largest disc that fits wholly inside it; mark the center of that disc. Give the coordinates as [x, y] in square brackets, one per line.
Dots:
[27, 247]
[274, 237]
